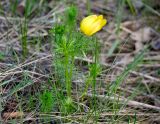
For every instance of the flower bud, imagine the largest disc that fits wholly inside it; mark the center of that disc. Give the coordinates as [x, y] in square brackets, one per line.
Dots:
[92, 24]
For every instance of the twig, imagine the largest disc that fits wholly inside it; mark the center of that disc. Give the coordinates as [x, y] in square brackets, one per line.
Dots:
[25, 64]
[129, 102]
[13, 114]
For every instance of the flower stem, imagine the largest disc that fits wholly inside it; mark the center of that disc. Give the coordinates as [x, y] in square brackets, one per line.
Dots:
[68, 83]
[88, 7]
[94, 77]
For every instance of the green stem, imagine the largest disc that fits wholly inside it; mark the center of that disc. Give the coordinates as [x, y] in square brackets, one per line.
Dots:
[68, 83]
[88, 7]
[94, 77]
[70, 76]
[88, 82]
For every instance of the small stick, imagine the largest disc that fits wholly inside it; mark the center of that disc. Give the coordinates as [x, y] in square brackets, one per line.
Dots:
[128, 102]
[12, 114]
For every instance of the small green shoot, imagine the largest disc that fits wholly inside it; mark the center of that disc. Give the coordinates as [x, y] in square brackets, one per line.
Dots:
[2, 56]
[47, 101]
[131, 6]
[14, 5]
[24, 30]
[68, 43]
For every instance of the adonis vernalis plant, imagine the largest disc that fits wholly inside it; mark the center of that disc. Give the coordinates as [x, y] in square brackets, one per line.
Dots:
[69, 43]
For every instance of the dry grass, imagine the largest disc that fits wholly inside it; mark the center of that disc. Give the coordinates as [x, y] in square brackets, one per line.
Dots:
[139, 93]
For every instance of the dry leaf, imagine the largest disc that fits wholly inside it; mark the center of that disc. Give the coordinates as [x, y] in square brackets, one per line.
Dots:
[142, 35]
[128, 58]
[132, 25]
[156, 44]
[138, 46]
[21, 7]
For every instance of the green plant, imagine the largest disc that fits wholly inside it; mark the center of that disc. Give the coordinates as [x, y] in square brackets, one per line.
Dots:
[94, 71]
[31, 102]
[47, 101]
[131, 6]
[2, 56]
[68, 43]
[29, 6]
[24, 30]
[67, 106]
[14, 5]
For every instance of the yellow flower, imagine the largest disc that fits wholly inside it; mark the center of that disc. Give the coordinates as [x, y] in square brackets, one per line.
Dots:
[92, 24]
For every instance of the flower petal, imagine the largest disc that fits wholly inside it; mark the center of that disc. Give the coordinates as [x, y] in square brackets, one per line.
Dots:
[98, 26]
[86, 23]
[92, 24]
